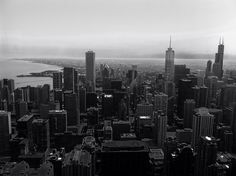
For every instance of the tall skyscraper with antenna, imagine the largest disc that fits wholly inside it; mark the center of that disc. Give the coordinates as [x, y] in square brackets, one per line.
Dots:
[218, 65]
[169, 63]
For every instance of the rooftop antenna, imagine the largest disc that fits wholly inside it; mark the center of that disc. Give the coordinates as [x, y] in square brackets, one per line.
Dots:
[170, 43]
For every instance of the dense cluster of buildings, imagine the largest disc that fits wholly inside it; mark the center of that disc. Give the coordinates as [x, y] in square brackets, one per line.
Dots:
[111, 122]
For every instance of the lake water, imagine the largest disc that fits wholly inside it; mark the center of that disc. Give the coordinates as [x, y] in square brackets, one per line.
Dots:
[11, 68]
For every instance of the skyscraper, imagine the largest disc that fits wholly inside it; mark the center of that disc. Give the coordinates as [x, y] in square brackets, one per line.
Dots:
[203, 96]
[211, 83]
[40, 134]
[161, 102]
[218, 65]
[189, 106]
[71, 102]
[203, 123]
[181, 72]
[160, 128]
[184, 92]
[57, 80]
[144, 109]
[228, 95]
[5, 131]
[208, 68]
[57, 122]
[107, 105]
[82, 99]
[90, 69]
[69, 74]
[169, 64]
[206, 155]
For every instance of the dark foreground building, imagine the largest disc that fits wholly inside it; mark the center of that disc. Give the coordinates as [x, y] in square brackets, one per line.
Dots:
[124, 158]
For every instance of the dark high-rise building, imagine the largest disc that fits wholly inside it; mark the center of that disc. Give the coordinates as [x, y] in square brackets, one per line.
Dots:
[58, 96]
[181, 162]
[206, 155]
[5, 131]
[228, 95]
[71, 105]
[41, 134]
[21, 109]
[132, 74]
[69, 74]
[117, 158]
[160, 83]
[225, 136]
[18, 94]
[44, 110]
[104, 68]
[193, 78]
[208, 68]
[90, 69]
[233, 125]
[57, 80]
[203, 123]
[160, 128]
[116, 84]
[184, 92]
[196, 95]
[82, 99]
[160, 102]
[91, 99]
[107, 105]
[26, 94]
[44, 97]
[211, 83]
[170, 109]
[5, 93]
[218, 65]
[203, 96]
[92, 116]
[57, 123]
[24, 126]
[11, 85]
[76, 81]
[181, 72]
[169, 88]
[189, 106]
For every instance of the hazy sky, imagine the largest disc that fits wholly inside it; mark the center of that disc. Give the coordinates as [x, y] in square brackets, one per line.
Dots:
[141, 26]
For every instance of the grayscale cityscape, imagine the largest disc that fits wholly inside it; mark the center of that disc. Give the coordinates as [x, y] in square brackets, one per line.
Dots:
[117, 88]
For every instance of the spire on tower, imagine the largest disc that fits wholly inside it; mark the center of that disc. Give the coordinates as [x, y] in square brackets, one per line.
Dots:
[220, 40]
[223, 41]
[170, 43]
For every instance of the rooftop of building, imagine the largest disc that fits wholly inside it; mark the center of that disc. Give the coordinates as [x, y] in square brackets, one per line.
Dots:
[224, 158]
[57, 111]
[156, 153]
[25, 118]
[39, 121]
[3, 112]
[79, 156]
[203, 111]
[122, 146]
